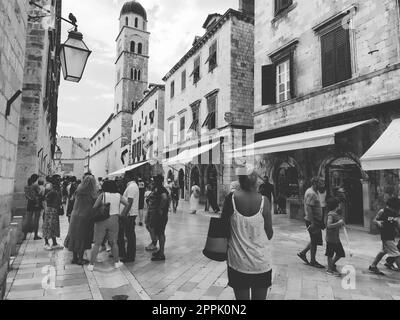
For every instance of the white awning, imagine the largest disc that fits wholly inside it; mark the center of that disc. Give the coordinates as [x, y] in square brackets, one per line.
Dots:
[124, 170]
[188, 155]
[305, 140]
[385, 153]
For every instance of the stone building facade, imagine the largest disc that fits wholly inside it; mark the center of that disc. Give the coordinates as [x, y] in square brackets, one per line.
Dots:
[13, 31]
[74, 156]
[320, 64]
[132, 50]
[209, 103]
[39, 108]
[148, 132]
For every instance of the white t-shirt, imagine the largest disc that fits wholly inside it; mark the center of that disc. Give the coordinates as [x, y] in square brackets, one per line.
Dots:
[114, 199]
[132, 192]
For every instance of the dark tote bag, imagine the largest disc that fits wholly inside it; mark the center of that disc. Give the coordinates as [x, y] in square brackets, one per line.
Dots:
[102, 213]
[217, 241]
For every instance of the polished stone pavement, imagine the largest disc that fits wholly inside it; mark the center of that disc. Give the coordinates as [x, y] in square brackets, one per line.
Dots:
[188, 275]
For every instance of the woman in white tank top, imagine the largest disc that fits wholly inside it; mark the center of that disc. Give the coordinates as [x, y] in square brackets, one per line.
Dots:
[249, 248]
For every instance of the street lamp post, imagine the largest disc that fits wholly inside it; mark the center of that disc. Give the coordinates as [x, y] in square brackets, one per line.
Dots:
[58, 157]
[74, 53]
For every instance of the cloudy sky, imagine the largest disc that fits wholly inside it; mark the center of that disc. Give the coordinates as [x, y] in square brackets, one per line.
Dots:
[173, 24]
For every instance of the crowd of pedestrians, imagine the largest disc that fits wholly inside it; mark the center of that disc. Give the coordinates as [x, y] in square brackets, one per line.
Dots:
[247, 213]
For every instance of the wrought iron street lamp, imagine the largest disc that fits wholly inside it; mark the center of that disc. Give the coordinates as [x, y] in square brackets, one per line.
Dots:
[74, 55]
[58, 154]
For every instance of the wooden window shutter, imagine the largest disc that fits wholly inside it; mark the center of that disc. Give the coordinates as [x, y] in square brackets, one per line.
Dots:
[268, 84]
[343, 56]
[328, 59]
[291, 72]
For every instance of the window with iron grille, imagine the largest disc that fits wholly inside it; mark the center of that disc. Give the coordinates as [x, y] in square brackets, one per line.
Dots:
[281, 5]
[336, 56]
[212, 58]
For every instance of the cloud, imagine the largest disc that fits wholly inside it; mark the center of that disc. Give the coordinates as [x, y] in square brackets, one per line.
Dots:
[173, 24]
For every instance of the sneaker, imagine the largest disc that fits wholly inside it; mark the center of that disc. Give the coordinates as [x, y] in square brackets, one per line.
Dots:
[317, 265]
[333, 273]
[392, 267]
[158, 257]
[304, 258]
[118, 265]
[37, 238]
[47, 247]
[57, 247]
[375, 270]
[90, 267]
[155, 253]
[151, 247]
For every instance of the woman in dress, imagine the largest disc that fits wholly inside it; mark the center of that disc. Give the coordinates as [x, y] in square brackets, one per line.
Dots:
[195, 198]
[248, 217]
[81, 228]
[109, 227]
[51, 218]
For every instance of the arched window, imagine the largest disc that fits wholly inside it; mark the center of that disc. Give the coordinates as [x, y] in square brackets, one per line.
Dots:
[132, 73]
[140, 48]
[136, 22]
[126, 21]
[133, 45]
[135, 77]
[139, 75]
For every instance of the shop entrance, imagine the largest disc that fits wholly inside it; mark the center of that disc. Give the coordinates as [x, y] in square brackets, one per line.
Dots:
[345, 183]
[287, 185]
[195, 177]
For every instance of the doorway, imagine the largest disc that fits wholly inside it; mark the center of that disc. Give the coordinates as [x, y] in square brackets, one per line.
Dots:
[344, 179]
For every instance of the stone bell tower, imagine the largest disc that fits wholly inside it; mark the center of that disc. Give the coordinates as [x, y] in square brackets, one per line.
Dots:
[131, 64]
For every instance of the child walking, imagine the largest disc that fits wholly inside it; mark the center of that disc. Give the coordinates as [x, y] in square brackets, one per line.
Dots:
[387, 222]
[334, 247]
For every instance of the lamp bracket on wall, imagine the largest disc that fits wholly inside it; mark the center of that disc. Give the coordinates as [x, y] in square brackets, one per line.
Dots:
[11, 101]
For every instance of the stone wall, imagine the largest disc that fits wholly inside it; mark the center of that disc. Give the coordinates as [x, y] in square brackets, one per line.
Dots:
[242, 72]
[39, 109]
[374, 39]
[13, 28]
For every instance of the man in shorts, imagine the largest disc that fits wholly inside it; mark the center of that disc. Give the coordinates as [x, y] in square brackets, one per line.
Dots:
[314, 222]
[387, 223]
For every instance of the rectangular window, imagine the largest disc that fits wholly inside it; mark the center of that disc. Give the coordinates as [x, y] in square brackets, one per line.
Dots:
[212, 58]
[196, 120]
[172, 89]
[145, 121]
[151, 116]
[182, 129]
[183, 80]
[283, 81]
[336, 56]
[281, 5]
[171, 132]
[196, 70]
[210, 122]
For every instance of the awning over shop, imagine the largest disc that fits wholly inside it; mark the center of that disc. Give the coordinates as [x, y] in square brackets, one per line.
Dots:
[130, 168]
[188, 155]
[305, 140]
[385, 153]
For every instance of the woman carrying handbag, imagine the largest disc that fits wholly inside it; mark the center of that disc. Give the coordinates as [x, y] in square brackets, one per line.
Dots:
[247, 221]
[107, 208]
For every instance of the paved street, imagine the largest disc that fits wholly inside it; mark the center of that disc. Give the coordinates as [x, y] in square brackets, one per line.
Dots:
[188, 275]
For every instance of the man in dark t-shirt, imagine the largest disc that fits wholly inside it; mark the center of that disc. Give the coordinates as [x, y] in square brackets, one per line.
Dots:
[267, 189]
